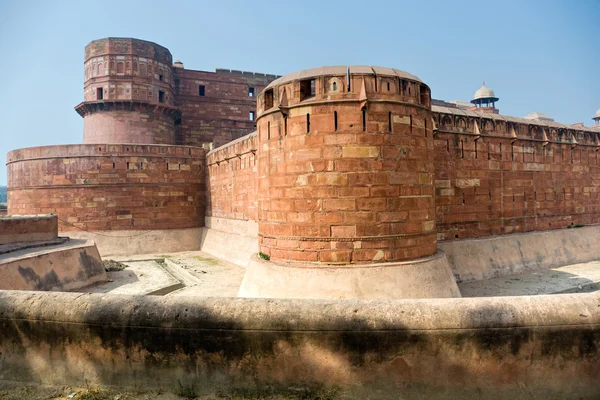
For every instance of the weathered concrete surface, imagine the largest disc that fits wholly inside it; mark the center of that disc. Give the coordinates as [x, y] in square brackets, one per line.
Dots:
[543, 347]
[67, 266]
[141, 277]
[477, 259]
[574, 278]
[27, 228]
[127, 242]
[424, 278]
[232, 240]
[198, 274]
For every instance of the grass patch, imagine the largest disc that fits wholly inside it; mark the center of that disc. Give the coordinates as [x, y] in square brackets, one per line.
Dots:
[112, 265]
[207, 260]
[273, 392]
[99, 394]
[189, 392]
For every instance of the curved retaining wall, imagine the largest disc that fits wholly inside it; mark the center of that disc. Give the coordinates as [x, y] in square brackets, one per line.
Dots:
[494, 348]
[109, 187]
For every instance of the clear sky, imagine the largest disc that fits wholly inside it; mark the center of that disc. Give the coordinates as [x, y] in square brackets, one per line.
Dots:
[537, 55]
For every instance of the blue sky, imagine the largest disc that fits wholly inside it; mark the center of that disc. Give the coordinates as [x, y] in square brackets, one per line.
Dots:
[536, 55]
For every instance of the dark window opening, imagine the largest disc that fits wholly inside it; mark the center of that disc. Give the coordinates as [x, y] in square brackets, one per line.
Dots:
[250, 92]
[99, 93]
[334, 86]
[424, 95]
[160, 77]
[176, 86]
[364, 119]
[268, 99]
[389, 119]
[307, 123]
[251, 115]
[335, 121]
[285, 125]
[269, 130]
[388, 86]
[307, 89]
[161, 96]
[201, 90]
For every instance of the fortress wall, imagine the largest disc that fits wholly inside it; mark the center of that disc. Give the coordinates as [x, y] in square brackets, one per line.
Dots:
[109, 187]
[223, 113]
[232, 175]
[493, 348]
[231, 213]
[535, 180]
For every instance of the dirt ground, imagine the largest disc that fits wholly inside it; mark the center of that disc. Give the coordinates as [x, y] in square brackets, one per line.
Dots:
[15, 392]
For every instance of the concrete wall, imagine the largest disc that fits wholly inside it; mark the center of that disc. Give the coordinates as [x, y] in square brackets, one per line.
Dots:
[28, 228]
[155, 241]
[542, 347]
[484, 258]
[68, 266]
[232, 240]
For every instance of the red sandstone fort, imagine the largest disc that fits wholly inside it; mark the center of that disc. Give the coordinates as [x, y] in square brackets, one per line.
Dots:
[336, 165]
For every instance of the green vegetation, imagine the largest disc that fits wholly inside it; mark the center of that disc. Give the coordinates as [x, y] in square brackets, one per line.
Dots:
[264, 256]
[270, 392]
[207, 260]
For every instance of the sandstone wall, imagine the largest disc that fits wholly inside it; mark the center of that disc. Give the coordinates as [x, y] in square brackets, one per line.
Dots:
[110, 187]
[494, 348]
[222, 114]
[511, 176]
[346, 174]
[232, 179]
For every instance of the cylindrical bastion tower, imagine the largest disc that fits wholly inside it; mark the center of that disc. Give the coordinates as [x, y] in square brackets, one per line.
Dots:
[128, 93]
[346, 195]
[127, 187]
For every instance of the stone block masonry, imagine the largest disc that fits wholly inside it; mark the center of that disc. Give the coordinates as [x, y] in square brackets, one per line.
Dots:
[497, 175]
[28, 228]
[110, 187]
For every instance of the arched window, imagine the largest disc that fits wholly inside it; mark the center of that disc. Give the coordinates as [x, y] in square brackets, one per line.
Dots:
[120, 67]
[95, 72]
[143, 71]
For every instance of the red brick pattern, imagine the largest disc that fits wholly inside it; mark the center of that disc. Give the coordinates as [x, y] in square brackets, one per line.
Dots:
[352, 194]
[513, 178]
[144, 126]
[223, 113]
[110, 187]
[232, 180]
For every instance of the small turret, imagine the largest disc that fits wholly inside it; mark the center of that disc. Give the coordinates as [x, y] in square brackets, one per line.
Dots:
[484, 100]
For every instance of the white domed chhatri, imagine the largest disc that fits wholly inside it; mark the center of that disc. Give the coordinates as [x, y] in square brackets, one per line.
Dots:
[597, 117]
[484, 93]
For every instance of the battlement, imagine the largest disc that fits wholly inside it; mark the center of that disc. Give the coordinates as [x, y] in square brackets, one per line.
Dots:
[247, 73]
[343, 83]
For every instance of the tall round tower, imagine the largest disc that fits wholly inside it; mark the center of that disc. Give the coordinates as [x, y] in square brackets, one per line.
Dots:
[346, 173]
[128, 93]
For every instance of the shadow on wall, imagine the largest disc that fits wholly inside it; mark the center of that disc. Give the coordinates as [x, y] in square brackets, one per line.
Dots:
[435, 349]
